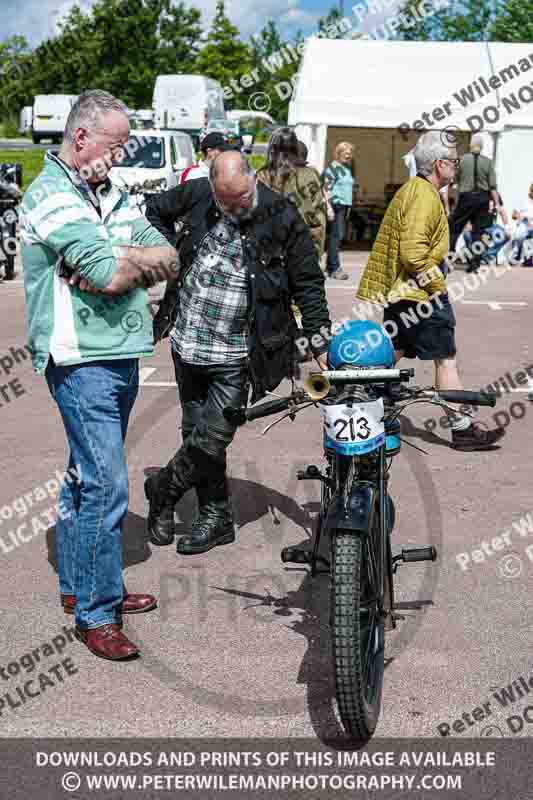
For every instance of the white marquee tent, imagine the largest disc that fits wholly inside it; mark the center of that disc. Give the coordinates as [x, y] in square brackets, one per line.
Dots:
[370, 92]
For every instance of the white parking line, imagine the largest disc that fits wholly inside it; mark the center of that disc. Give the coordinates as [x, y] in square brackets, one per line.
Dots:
[161, 383]
[494, 305]
[144, 374]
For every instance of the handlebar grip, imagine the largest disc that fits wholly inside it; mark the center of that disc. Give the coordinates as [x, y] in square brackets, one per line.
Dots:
[468, 398]
[265, 409]
[419, 554]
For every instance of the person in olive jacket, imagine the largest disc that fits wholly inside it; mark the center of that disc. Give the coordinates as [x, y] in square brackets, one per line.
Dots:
[245, 254]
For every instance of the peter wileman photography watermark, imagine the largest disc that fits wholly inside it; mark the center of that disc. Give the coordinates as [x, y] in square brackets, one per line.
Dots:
[345, 28]
[111, 309]
[502, 698]
[12, 389]
[20, 532]
[456, 289]
[37, 683]
[470, 94]
[502, 386]
[509, 565]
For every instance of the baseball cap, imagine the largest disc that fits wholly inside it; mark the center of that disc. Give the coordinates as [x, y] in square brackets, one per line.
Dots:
[212, 141]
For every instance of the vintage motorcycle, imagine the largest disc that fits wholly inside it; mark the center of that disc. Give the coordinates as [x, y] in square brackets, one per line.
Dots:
[361, 400]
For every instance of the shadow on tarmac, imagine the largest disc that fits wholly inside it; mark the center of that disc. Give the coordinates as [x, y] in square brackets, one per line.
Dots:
[251, 502]
[316, 669]
[411, 430]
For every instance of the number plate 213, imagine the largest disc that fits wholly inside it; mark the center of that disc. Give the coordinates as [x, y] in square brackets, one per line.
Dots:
[356, 429]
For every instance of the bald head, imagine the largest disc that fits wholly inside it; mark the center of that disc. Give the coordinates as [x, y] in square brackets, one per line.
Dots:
[233, 182]
[228, 167]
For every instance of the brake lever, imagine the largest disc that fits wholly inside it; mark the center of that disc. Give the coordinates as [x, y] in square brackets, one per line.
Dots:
[290, 413]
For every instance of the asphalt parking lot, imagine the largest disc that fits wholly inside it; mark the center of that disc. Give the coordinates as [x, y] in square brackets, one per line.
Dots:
[239, 645]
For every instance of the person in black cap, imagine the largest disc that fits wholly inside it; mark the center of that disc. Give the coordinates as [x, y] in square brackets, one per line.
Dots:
[212, 145]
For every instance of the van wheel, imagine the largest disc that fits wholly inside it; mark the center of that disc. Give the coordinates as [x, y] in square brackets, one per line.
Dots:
[35, 138]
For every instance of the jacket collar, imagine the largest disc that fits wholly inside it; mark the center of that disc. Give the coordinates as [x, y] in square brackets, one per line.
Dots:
[106, 196]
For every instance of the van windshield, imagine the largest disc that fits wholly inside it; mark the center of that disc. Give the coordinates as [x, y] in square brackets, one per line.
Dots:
[57, 105]
[144, 151]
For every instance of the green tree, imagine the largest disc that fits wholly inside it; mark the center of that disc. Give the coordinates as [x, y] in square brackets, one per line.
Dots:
[265, 43]
[330, 26]
[119, 45]
[14, 56]
[453, 21]
[275, 64]
[180, 33]
[224, 56]
[514, 23]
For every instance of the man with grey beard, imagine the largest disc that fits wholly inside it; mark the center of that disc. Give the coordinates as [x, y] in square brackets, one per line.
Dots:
[245, 254]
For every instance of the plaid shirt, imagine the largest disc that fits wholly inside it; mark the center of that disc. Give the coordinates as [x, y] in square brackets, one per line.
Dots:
[212, 322]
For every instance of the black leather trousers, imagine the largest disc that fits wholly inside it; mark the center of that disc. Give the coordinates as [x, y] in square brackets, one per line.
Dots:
[204, 391]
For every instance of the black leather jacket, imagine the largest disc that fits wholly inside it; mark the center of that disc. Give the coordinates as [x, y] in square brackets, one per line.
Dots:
[281, 263]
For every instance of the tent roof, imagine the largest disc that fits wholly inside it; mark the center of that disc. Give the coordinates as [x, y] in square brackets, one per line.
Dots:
[382, 84]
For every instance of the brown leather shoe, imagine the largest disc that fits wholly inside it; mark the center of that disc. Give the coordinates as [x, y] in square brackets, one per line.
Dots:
[107, 641]
[131, 604]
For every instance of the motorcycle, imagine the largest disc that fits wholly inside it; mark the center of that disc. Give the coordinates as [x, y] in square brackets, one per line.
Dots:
[10, 196]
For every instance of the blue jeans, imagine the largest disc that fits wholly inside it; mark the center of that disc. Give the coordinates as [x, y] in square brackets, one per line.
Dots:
[334, 237]
[523, 232]
[95, 401]
[499, 238]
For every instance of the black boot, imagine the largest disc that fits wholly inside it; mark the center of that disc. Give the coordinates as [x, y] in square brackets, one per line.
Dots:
[214, 525]
[160, 521]
[163, 491]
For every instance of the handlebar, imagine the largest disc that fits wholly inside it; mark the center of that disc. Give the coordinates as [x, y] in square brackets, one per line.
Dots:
[367, 375]
[265, 409]
[461, 396]
[238, 416]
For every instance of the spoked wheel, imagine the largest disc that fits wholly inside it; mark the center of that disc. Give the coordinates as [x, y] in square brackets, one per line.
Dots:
[358, 631]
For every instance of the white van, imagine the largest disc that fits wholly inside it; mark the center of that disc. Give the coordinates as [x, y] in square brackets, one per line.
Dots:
[154, 161]
[187, 103]
[141, 119]
[50, 112]
[25, 119]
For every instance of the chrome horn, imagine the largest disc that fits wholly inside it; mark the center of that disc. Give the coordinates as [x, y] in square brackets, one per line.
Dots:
[317, 386]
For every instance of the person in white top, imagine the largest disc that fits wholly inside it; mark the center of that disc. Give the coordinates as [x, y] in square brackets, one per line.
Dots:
[524, 228]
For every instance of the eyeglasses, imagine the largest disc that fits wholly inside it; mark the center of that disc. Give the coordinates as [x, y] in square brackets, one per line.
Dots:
[454, 161]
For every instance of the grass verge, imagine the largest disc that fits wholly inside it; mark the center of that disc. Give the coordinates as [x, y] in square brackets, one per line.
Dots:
[31, 160]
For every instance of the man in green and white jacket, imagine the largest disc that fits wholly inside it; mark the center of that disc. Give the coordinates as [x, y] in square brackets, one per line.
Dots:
[89, 255]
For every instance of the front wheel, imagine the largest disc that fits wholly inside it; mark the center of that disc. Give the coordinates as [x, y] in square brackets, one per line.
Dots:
[358, 632]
